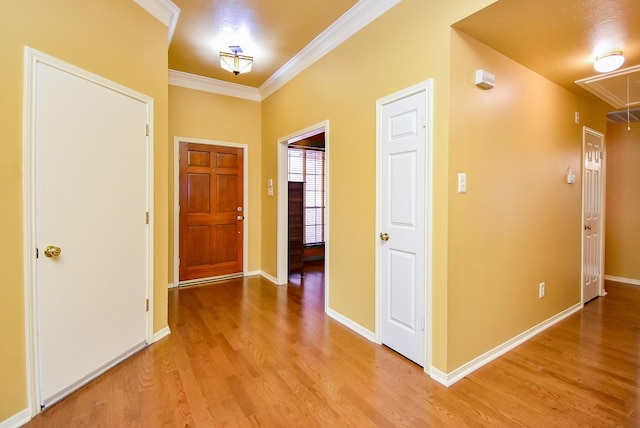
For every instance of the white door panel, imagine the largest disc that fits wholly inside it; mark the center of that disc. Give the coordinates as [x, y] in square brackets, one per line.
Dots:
[401, 307]
[91, 196]
[402, 220]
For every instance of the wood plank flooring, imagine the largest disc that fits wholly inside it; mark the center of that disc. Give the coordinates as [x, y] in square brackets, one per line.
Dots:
[247, 353]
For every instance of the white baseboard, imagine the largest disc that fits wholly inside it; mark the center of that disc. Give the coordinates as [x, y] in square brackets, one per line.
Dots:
[367, 334]
[439, 376]
[171, 285]
[448, 379]
[17, 420]
[160, 334]
[253, 273]
[624, 280]
[269, 277]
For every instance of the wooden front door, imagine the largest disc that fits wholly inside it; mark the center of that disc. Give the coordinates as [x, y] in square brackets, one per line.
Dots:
[211, 211]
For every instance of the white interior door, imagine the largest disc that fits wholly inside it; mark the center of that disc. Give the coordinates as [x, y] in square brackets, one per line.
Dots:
[91, 200]
[592, 214]
[403, 148]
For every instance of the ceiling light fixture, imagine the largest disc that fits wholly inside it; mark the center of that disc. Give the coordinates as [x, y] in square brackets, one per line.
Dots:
[235, 63]
[609, 62]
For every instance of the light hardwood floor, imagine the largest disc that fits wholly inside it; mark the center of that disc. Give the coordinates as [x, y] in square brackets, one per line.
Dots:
[247, 353]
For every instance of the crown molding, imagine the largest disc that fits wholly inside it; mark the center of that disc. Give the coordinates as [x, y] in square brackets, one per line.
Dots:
[164, 11]
[215, 86]
[361, 14]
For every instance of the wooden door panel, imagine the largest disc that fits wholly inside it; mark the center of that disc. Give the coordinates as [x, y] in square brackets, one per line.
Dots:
[199, 243]
[227, 187]
[199, 158]
[225, 237]
[211, 191]
[226, 160]
[198, 196]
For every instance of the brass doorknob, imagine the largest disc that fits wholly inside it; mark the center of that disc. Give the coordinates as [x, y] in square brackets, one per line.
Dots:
[52, 251]
[240, 218]
[384, 236]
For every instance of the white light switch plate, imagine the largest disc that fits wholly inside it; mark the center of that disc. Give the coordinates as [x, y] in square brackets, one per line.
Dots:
[462, 182]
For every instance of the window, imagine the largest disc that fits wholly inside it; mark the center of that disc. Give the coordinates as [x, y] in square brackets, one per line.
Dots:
[307, 165]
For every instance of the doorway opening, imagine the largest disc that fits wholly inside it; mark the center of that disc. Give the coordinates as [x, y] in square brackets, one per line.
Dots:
[302, 209]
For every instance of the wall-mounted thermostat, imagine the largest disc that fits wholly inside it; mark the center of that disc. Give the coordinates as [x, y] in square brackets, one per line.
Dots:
[484, 79]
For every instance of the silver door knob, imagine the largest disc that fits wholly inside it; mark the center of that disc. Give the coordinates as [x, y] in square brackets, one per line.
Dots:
[384, 236]
[587, 227]
[240, 217]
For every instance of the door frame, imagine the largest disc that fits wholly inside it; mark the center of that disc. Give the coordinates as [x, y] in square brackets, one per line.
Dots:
[601, 292]
[176, 202]
[427, 87]
[31, 59]
[283, 197]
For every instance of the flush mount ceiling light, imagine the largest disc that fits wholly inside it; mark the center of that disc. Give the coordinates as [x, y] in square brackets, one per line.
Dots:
[608, 62]
[235, 63]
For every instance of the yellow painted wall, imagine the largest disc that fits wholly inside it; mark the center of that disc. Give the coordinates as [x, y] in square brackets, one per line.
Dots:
[208, 116]
[407, 45]
[519, 223]
[622, 234]
[119, 41]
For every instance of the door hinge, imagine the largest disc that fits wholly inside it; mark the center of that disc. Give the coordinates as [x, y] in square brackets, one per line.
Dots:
[37, 253]
[178, 261]
[146, 217]
[147, 305]
[601, 155]
[422, 320]
[424, 121]
[178, 156]
[147, 130]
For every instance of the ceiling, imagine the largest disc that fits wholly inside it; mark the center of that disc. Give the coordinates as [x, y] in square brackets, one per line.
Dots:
[558, 39]
[271, 31]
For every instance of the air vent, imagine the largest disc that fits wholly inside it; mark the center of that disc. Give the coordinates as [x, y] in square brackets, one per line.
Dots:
[620, 116]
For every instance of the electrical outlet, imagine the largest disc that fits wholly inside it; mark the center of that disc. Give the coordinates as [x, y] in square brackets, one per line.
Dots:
[541, 290]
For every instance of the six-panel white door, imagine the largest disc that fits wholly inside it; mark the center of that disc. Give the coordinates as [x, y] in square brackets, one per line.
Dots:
[592, 213]
[402, 219]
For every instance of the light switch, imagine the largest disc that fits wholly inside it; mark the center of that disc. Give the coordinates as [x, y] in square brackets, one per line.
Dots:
[462, 182]
[270, 187]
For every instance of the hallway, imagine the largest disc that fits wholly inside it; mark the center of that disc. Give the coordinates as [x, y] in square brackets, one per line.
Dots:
[247, 353]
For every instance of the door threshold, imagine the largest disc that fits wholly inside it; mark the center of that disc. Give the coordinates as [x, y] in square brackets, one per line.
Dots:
[200, 281]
